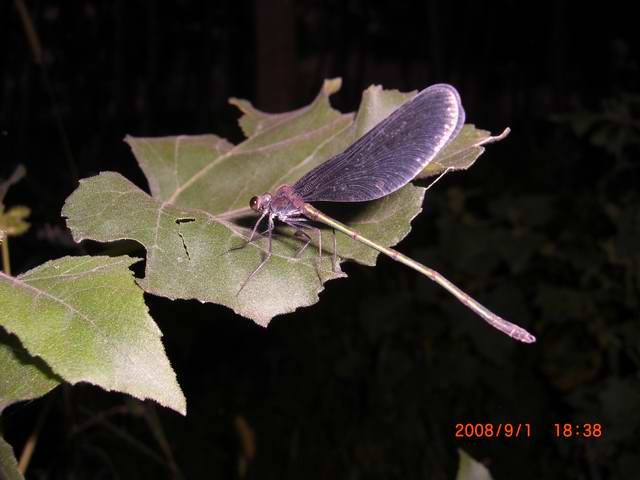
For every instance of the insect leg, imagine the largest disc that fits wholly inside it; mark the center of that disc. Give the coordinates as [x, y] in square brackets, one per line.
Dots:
[298, 224]
[304, 236]
[266, 259]
[255, 227]
[253, 233]
[439, 177]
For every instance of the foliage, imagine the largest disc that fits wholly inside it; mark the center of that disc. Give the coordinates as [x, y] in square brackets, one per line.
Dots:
[470, 469]
[86, 318]
[363, 384]
[196, 222]
[83, 319]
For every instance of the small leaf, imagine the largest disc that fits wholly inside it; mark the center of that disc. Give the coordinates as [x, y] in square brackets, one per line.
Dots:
[12, 222]
[23, 377]
[470, 469]
[8, 464]
[462, 152]
[87, 319]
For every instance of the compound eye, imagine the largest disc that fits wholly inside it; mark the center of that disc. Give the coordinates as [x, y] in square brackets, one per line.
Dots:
[253, 203]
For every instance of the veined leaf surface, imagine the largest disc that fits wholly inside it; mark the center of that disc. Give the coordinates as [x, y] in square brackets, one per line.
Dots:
[195, 222]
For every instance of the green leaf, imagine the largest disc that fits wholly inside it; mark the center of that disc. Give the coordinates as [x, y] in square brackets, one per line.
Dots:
[253, 121]
[12, 223]
[8, 464]
[470, 469]
[462, 152]
[196, 221]
[23, 377]
[86, 318]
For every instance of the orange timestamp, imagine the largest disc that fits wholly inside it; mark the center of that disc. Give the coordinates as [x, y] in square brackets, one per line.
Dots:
[577, 430]
[492, 430]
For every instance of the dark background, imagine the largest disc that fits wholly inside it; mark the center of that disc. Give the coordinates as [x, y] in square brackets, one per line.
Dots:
[370, 382]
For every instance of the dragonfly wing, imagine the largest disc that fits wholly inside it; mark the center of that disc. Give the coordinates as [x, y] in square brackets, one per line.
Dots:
[391, 154]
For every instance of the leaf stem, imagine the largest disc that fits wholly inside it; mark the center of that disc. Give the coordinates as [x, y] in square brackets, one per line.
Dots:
[151, 417]
[30, 445]
[36, 49]
[6, 265]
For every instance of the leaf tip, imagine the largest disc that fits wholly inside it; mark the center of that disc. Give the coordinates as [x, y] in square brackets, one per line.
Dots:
[243, 105]
[180, 407]
[331, 86]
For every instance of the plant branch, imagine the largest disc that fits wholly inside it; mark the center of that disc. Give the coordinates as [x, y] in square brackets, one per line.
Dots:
[6, 265]
[30, 445]
[36, 49]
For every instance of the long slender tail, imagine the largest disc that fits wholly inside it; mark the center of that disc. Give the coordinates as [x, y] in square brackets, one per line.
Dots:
[505, 326]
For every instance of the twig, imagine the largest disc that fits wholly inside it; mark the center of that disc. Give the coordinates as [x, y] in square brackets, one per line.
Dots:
[36, 49]
[30, 444]
[6, 264]
[151, 417]
[121, 433]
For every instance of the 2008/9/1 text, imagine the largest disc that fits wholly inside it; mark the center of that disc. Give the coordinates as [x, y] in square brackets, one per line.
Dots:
[491, 430]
